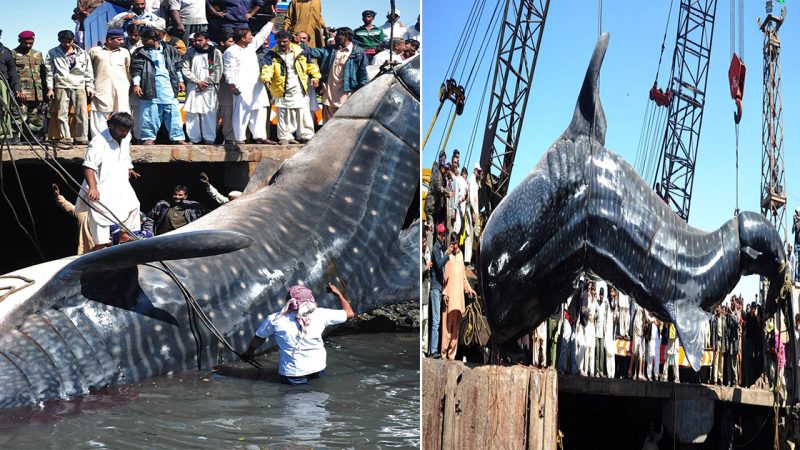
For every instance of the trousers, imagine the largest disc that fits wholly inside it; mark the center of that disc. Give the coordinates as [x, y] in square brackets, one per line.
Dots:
[75, 98]
[201, 127]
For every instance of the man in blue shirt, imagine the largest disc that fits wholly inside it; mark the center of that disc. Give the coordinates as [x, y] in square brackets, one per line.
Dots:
[437, 277]
[233, 14]
[157, 79]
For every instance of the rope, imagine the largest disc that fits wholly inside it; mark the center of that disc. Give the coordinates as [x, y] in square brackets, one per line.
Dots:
[736, 212]
[664, 40]
[471, 322]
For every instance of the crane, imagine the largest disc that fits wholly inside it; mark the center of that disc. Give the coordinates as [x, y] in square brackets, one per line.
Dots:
[519, 42]
[687, 86]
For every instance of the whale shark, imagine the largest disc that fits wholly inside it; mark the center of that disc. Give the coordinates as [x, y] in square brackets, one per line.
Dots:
[583, 209]
[336, 212]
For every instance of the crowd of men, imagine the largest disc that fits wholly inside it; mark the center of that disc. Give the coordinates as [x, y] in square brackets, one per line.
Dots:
[451, 226]
[229, 62]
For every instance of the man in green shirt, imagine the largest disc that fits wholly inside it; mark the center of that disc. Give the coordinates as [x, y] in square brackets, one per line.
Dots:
[30, 67]
[369, 37]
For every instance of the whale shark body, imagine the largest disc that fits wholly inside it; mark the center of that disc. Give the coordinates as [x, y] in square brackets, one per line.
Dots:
[334, 212]
[584, 209]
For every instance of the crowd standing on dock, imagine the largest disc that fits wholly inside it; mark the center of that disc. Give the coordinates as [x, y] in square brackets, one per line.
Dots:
[599, 331]
[224, 58]
[223, 64]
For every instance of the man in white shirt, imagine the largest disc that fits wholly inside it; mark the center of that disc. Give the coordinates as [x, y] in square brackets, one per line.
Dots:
[107, 169]
[297, 329]
[396, 54]
[202, 70]
[112, 83]
[242, 72]
[393, 28]
[189, 17]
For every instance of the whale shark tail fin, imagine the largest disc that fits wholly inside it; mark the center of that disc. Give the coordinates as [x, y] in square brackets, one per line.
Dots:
[689, 322]
[589, 118]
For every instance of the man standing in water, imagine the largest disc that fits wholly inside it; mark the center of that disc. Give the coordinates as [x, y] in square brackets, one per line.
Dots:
[298, 331]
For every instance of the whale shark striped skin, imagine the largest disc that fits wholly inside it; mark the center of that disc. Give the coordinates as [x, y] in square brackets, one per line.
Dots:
[584, 209]
[334, 212]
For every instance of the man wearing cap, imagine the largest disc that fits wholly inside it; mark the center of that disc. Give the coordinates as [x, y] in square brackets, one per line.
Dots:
[70, 81]
[32, 75]
[138, 15]
[439, 259]
[393, 28]
[369, 36]
[111, 64]
[306, 15]
[297, 329]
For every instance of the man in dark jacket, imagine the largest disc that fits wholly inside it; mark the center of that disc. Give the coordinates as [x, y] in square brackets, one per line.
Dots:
[168, 216]
[343, 67]
[157, 79]
[10, 79]
[439, 259]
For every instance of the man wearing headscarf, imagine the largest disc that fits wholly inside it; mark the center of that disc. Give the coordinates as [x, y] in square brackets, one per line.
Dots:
[297, 330]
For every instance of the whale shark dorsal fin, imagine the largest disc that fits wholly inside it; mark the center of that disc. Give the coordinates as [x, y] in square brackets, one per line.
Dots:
[589, 118]
[689, 321]
[180, 245]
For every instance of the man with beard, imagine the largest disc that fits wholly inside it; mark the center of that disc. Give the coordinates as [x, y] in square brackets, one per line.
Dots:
[136, 16]
[157, 80]
[111, 64]
[168, 216]
[107, 169]
[202, 69]
[288, 73]
[344, 70]
[454, 287]
[306, 15]
[250, 99]
[30, 64]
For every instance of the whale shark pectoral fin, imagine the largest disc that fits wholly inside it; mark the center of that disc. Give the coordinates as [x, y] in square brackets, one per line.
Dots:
[190, 244]
[689, 322]
[751, 253]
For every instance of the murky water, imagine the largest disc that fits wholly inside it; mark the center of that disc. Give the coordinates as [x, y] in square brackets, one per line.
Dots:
[369, 397]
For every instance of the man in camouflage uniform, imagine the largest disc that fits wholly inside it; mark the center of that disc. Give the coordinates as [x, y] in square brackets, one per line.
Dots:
[30, 67]
[9, 86]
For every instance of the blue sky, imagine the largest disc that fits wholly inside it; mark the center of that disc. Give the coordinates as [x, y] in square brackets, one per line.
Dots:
[47, 17]
[637, 29]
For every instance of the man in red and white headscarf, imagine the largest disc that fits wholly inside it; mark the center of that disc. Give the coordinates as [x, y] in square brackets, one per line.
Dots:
[297, 330]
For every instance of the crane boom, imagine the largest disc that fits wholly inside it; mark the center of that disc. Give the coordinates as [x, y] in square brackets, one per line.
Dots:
[518, 50]
[688, 80]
